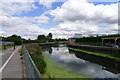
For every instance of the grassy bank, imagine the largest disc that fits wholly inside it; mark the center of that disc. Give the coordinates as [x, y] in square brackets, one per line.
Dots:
[95, 53]
[55, 70]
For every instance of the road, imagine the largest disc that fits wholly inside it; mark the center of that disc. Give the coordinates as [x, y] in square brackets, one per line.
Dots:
[11, 63]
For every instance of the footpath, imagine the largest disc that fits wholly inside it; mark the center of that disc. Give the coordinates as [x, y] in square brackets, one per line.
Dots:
[12, 66]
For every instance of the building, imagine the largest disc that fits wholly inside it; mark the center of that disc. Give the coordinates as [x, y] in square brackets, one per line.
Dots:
[94, 35]
[78, 36]
[71, 40]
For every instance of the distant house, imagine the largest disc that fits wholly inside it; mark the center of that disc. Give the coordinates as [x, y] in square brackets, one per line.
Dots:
[94, 35]
[71, 40]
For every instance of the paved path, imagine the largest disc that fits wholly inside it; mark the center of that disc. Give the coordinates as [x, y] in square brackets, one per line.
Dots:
[6, 54]
[12, 64]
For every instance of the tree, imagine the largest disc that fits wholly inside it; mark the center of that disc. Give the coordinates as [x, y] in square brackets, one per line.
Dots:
[49, 36]
[42, 37]
[14, 38]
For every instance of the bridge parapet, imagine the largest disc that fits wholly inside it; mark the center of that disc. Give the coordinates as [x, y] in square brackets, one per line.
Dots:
[32, 70]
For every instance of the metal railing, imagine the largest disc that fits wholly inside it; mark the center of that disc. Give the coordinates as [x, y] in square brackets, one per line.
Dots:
[3, 43]
[32, 70]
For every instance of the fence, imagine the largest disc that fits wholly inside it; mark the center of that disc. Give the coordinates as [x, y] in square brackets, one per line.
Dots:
[32, 70]
[3, 43]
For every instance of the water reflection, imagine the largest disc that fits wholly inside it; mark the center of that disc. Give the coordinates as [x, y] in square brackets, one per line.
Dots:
[62, 56]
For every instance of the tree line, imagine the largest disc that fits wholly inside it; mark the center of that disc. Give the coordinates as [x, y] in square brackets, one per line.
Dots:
[43, 38]
[95, 39]
[18, 40]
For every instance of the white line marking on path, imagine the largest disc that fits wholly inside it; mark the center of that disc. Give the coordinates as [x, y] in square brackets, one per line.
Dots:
[7, 61]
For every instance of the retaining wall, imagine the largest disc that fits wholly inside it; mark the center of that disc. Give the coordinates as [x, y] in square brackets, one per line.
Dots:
[105, 50]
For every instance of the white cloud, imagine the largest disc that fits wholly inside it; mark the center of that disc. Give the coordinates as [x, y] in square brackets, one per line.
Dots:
[75, 16]
[15, 21]
[110, 29]
[47, 3]
[84, 17]
[18, 1]
[1, 33]
[82, 10]
[42, 19]
[68, 29]
[24, 26]
[27, 31]
[11, 8]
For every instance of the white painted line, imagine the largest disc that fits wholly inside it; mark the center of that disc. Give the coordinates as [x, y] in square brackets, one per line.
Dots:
[7, 61]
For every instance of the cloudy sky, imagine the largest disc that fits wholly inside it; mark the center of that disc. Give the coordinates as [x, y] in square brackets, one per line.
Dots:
[29, 18]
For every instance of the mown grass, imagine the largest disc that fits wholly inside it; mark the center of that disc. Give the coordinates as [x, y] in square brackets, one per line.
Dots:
[55, 70]
[8, 46]
[97, 54]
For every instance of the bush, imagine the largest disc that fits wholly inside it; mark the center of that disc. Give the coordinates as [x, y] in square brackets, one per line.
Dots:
[36, 54]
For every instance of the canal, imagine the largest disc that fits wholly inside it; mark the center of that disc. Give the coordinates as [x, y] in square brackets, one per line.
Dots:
[66, 59]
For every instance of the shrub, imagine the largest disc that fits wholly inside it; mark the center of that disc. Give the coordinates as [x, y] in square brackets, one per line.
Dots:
[36, 54]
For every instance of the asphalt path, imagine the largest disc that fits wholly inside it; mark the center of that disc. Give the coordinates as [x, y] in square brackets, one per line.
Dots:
[11, 63]
[6, 54]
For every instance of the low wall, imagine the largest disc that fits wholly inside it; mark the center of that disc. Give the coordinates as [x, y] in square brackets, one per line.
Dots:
[31, 67]
[105, 50]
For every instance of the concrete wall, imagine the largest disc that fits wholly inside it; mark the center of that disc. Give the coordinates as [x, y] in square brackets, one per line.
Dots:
[105, 50]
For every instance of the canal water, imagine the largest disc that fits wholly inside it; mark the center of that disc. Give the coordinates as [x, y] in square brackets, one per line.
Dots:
[66, 58]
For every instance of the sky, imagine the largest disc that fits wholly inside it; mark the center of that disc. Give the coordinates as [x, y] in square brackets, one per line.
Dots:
[62, 18]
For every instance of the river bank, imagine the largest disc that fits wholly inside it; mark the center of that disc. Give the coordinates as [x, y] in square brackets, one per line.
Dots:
[96, 54]
[111, 53]
[103, 59]
[114, 52]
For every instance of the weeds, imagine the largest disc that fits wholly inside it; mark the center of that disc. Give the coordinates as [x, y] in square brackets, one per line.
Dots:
[36, 54]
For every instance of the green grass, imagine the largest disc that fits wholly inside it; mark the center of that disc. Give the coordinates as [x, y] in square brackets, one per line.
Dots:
[0, 48]
[55, 70]
[36, 53]
[9, 46]
[97, 54]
